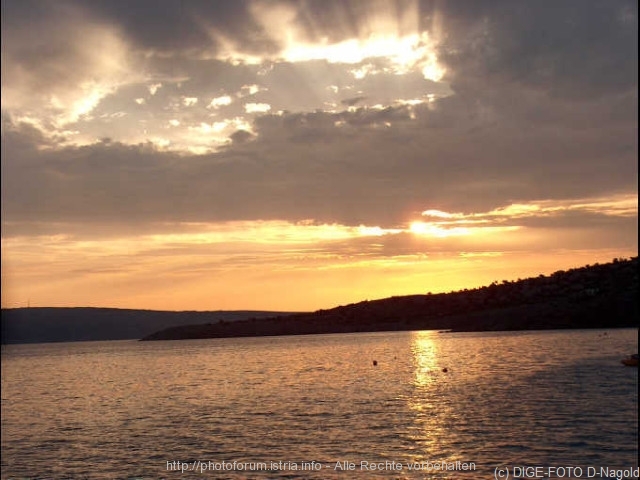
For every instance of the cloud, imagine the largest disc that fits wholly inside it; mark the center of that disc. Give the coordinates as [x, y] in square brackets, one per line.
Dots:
[165, 27]
[220, 101]
[575, 50]
[240, 136]
[257, 107]
[54, 78]
[350, 102]
[371, 166]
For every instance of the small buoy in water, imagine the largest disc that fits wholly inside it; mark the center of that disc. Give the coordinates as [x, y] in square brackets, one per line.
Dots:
[375, 363]
[445, 369]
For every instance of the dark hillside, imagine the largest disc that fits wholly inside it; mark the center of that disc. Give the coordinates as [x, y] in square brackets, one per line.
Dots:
[40, 325]
[596, 296]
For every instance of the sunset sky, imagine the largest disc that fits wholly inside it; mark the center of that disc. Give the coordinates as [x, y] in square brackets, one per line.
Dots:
[296, 155]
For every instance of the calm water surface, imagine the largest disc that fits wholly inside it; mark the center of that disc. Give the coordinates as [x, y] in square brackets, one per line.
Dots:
[131, 409]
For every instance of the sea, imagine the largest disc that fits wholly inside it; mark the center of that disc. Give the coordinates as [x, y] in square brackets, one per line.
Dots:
[421, 404]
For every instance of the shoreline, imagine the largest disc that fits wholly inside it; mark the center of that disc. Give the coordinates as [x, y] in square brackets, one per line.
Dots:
[598, 296]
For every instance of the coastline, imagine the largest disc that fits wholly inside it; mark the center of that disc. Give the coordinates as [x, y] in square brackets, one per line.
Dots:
[598, 296]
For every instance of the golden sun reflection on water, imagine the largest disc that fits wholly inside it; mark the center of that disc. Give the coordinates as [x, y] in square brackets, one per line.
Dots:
[428, 429]
[424, 350]
[438, 431]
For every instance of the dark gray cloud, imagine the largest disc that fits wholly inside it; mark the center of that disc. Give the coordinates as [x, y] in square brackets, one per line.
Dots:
[240, 136]
[168, 27]
[350, 102]
[569, 49]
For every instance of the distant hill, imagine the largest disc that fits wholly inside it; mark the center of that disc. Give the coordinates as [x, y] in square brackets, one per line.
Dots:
[595, 296]
[40, 325]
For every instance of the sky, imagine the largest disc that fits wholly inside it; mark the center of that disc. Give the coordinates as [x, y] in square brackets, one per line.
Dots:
[298, 155]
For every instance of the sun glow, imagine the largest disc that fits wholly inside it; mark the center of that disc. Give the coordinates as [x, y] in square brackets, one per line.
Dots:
[91, 94]
[404, 54]
[322, 265]
[433, 230]
[390, 37]
[440, 214]
[510, 218]
[617, 205]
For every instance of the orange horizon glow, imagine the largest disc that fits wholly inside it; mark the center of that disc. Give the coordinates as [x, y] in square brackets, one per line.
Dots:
[306, 291]
[285, 266]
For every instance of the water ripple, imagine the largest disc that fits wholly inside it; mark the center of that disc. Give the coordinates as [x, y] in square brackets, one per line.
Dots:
[128, 409]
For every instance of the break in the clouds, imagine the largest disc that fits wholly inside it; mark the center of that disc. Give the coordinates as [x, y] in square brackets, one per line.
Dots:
[165, 125]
